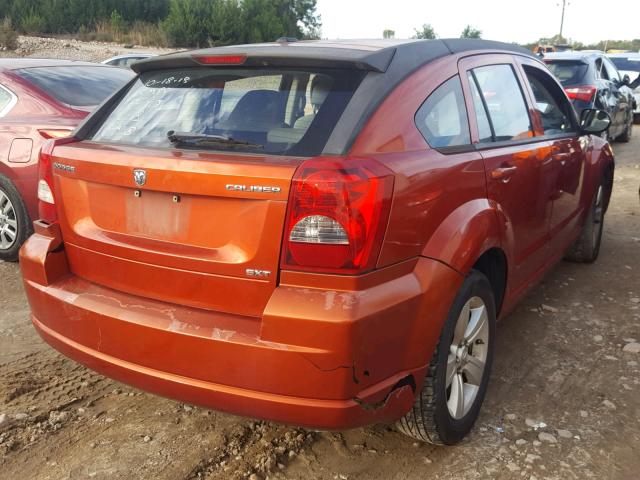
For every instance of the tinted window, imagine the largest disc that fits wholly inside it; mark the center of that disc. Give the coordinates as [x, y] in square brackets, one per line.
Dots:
[627, 64]
[247, 105]
[442, 118]
[568, 72]
[551, 104]
[484, 128]
[504, 100]
[601, 72]
[77, 86]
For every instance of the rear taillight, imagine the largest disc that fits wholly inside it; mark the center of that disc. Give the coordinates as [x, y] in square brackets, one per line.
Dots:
[337, 215]
[46, 197]
[48, 133]
[584, 93]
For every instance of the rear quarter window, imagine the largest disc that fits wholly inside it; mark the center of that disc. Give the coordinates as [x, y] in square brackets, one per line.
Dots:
[272, 111]
[7, 100]
[77, 86]
[442, 118]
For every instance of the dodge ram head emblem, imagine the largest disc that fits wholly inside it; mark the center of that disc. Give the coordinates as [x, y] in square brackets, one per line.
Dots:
[140, 177]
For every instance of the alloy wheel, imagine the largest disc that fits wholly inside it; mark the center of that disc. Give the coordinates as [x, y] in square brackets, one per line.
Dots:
[8, 222]
[467, 358]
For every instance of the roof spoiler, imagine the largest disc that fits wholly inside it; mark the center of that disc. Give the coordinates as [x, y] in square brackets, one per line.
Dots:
[289, 55]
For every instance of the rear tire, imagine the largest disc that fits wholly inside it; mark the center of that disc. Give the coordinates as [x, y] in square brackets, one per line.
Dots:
[15, 225]
[587, 247]
[636, 118]
[457, 377]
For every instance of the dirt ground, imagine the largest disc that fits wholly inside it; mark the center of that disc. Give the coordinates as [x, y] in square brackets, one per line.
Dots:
[563, 402]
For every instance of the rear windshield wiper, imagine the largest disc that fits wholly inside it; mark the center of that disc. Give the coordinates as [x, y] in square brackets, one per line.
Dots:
[203, 140]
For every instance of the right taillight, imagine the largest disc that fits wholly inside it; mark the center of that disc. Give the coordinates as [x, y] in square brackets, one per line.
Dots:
[584, 93]
[337, 215]
[46, 197]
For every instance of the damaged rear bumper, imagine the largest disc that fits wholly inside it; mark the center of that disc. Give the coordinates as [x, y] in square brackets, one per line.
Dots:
[327, 359]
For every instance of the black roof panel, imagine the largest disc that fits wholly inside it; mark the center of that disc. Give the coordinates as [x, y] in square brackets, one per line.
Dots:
[372, 55]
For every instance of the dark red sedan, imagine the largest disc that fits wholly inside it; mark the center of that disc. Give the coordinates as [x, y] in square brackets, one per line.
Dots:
[40, 99]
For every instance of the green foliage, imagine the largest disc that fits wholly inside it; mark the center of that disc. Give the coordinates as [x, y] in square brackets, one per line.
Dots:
[222, 22]
[68, 16]
[187, 23]
[33, 23]
[426, 32]
[8, 36]
[117, 22]
[388, 34]
[470, 32]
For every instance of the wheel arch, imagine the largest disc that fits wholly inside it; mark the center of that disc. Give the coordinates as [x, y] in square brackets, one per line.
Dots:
[466, 234]
[494, 265]
[600, 165]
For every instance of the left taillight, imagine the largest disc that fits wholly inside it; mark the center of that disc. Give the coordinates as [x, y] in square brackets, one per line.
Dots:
[337, 215]
[583, 93]
[46, 197]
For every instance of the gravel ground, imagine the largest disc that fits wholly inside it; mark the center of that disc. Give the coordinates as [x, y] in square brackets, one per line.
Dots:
[70, 49]
[563, 403]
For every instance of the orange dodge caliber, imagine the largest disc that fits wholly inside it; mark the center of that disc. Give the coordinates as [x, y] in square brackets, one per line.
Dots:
[316, 233]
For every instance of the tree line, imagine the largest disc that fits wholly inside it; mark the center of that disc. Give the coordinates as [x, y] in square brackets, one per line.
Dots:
[186, 23]
[427, 32]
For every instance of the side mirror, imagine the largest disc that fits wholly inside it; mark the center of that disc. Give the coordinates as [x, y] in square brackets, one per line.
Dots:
[594, 121]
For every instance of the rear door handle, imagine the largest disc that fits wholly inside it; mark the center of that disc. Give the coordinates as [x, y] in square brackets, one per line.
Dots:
[503, 173]
[561, 157]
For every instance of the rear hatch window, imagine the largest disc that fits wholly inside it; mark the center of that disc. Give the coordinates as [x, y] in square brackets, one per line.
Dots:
[568, 72]
[77, 86]
[283, 112]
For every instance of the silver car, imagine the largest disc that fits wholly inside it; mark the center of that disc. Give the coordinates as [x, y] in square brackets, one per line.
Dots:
[126, 60]
[629, 64]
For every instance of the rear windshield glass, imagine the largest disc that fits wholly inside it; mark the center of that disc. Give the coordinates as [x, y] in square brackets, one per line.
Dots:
[77, 86]
[628, 64]
[288, 112]
[568, 72]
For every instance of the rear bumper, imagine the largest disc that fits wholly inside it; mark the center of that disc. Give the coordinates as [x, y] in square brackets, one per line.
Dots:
[317, 358]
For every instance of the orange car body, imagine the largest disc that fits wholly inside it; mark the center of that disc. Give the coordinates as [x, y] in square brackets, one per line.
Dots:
[164, 286]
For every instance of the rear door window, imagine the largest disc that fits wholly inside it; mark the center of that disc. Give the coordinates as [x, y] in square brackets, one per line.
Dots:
[484, 127]
[442, 118]
[255, 110]
[506, 108]
[77, 85]
[601, 72]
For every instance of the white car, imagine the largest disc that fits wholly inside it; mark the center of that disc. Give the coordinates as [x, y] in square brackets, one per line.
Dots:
[126, 60]
[629, 64]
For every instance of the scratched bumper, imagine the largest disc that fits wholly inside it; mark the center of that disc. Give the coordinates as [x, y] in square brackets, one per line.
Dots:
[316, 358]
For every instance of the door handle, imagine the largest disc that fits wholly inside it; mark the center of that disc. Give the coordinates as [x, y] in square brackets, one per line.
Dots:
[561, 157]
[503, 173]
